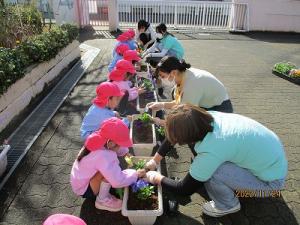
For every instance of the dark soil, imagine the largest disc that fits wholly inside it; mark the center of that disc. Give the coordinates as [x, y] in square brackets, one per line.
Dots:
[142, 134]
[143, 68]
[137, 204]
[146, 98]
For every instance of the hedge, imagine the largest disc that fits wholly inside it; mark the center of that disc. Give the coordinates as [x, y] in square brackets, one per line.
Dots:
[39, 48]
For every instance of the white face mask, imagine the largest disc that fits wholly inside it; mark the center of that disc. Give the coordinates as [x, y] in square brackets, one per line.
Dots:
[159, 35]
[165, 82]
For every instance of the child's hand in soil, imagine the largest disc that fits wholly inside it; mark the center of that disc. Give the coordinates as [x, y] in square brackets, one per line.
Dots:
[141, 173]
[141, 90]
[159, 121]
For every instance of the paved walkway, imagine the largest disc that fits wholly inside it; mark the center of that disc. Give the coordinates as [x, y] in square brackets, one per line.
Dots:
[40, 186]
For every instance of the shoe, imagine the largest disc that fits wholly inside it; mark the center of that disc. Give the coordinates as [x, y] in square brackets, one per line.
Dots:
[210, 209]
[110, 203]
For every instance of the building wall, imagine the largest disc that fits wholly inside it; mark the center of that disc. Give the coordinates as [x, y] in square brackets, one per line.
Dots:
[273, 15]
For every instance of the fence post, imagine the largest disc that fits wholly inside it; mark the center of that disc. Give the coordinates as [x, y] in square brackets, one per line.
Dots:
[175, 16]
[113, 15]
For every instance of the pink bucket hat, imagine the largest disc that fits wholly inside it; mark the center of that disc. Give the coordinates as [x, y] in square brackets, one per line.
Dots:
[112, 129]
[121, 48]
[116, 75]
[123, 37]
[131, 55]
[130, 33]
[126, 66]
[104, 91]
[63, 219]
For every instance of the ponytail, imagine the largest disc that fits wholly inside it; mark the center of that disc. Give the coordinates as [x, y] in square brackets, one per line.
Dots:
[82, 153]
[169, 63]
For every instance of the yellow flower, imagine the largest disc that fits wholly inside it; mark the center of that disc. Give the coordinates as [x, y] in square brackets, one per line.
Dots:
[17, 41]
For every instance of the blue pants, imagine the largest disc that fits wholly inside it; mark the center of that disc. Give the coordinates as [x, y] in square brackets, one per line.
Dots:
[229, 180]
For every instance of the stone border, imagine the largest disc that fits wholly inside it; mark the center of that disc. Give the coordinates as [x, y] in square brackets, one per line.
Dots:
[19, 95]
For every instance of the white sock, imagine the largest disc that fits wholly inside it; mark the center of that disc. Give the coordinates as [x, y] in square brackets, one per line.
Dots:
[104, 190]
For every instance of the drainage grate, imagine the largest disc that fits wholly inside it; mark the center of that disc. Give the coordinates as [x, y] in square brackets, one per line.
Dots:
[23, 138]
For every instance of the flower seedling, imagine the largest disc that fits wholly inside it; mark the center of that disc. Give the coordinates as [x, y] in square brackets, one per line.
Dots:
[128, 160]
[142, 189]
[145, 118]
[283, 67]
[160, 130]
[139, 165]
[147, 84]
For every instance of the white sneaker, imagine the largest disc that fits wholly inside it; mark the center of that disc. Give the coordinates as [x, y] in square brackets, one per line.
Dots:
[110, 203]
[210, 209]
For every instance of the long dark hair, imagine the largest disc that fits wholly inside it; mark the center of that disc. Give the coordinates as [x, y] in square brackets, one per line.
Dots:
[187, 124]
[169, 63]
[162, 28]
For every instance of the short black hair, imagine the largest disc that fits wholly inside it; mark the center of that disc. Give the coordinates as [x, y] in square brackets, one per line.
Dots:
[143, 23]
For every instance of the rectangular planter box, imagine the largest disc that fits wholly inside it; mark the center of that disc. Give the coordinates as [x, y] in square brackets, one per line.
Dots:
[143, 217]
[142, 149]
[140, 108]
[286, 77]
[3, 158]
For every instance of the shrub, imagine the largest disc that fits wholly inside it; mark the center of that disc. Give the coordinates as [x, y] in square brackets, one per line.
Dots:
[17, 23]
[39, 48]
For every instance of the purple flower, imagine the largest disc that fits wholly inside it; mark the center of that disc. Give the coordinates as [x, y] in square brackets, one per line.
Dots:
[140, 184]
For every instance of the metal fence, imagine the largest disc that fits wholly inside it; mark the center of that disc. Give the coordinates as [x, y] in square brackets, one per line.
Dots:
[185, 14]
[93, 12]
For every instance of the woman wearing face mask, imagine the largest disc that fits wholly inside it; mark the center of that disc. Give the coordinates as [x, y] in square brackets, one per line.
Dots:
[166, 43]
[193, 86]
[145, 34]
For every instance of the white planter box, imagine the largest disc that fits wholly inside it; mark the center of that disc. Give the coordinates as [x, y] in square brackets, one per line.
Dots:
[142, 109]
[3, 158]
[143, 217]
[142, 149]
[19, 95]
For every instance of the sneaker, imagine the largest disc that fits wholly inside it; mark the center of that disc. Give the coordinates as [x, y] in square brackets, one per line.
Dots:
[110, 203]
[210, 209]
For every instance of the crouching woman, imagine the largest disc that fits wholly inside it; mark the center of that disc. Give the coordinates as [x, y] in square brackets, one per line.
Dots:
[234, 154]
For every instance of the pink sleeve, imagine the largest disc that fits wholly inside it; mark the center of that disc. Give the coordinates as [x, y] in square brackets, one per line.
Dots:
[111, 170]
[133, 93]
[122, 151]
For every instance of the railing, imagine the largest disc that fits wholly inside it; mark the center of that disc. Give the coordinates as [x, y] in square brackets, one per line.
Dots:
[93, 12]
[185, 14]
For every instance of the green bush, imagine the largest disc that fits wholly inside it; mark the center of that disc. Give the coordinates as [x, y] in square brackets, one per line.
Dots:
[39, 48]
[17, 23]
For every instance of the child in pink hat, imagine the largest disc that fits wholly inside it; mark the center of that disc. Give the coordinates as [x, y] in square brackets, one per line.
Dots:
[120, 50]
[107, 100]
[63, 219]
[120, 78]
[97, 168]
[126, 38]
[133, 57]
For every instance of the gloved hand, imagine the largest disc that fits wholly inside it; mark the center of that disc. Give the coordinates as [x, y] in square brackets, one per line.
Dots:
[156, 106]
[151, 165]
[159, 121]
[153, 177]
